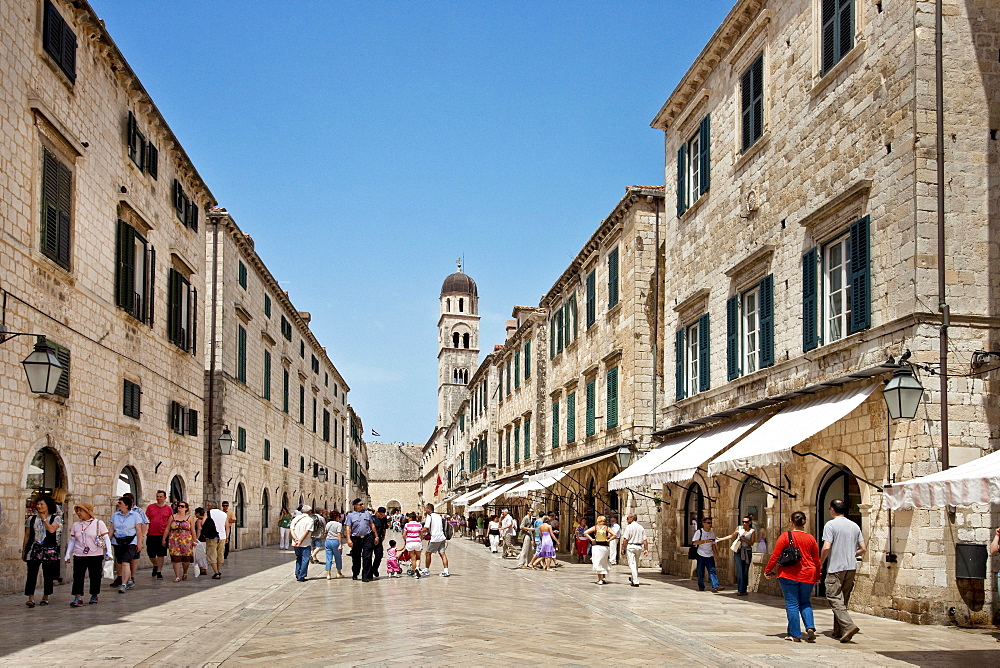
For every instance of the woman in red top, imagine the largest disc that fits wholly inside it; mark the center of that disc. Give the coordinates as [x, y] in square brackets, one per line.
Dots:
[797, 580]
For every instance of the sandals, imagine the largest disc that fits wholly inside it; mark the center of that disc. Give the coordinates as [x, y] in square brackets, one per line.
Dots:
[791, 639]
[184, 577]
[177, 579]
[30, 604]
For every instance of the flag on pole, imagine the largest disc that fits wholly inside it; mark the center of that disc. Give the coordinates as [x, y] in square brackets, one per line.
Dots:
[375, 433]
[437, 485]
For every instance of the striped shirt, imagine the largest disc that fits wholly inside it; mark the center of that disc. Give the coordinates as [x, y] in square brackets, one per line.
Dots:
[412, 531]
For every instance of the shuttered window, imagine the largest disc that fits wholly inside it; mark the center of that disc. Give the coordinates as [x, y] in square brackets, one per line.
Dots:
[860, 276]
[692, 358]
[286, 328]
[241, 439]
[591, 304]
[59, 41]
[508, 381]
[141, 151]
[517, 369]
[131, 399]
[555, 425]
[267, 305]
[176, 417]
[527, 359]
[694, 167]
[243, 275]
[527, 439]
[837, 30]
[241, 354]
[680, 386]
[613, 278]
[612, 382]
[752, 102]
[284, 458]
[326, 425]
[267, 450]
[517, 443]
[284, 390]
[571, 418]
[185, 208]
[810, 330]
[591, 427]
[182, 309]
[302, 404]
[57, 184]
[267, 375]
[135, 272]
[192, 422]
[314, 418]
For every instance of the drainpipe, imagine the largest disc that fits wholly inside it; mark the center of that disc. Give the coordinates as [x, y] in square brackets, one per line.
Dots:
[656, 300]
[942, 298]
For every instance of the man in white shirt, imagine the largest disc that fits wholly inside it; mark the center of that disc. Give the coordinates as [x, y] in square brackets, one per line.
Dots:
[215, 547]
[843, 543]
[301, 530]
[634, 539]
[437, 541]
[617, 530]
[508, 528]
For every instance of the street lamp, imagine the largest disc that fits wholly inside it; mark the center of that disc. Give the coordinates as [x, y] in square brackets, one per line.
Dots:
[42, 368]
[323, 475]
[226, 441]
[902, 394]
[624, 456]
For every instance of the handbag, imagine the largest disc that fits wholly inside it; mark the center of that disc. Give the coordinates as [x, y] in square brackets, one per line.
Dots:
[791, 555]
[109, 569]
[693, 550]
[735, 547]
[41, 552]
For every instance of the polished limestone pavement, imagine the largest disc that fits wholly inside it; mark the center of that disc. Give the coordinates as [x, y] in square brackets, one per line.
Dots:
[487, 613]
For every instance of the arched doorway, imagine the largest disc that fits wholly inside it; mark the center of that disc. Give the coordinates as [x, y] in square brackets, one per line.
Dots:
[128, 483]
[240, 509]
[837, 483]
[176, 489]
[284, 501]
[265, 512]
[694, 510]
[393, 506]
[753, 502]
[590, 505]
[45, 476]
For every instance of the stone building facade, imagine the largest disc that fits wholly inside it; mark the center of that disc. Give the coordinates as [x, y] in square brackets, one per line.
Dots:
[270, 382]
[357, 482]
[102, 254]
[802, 255]
[394, 476]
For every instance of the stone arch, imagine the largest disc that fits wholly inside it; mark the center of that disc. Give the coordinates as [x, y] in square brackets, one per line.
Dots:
[44, 469]
[265, 508]
[465, 340]
[176, 491]
[128, 481]
[455, 339]
[393, 505]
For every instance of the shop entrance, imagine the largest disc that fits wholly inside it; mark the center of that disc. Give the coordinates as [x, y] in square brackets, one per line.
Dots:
[837, 484]
[694, 510]
[45, 478]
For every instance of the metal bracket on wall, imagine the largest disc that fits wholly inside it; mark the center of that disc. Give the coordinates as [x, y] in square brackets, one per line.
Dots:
[838, 466]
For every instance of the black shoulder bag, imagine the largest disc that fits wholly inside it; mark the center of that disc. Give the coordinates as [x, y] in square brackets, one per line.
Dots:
[693, 550]
[791, 555]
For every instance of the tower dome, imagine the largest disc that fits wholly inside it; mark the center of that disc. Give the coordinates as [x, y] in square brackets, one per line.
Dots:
[459, 282]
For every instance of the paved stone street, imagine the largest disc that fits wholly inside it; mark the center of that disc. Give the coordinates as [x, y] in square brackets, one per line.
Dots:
[485, 614]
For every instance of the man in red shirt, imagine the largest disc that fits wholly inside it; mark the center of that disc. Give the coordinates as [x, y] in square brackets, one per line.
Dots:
[159, 515]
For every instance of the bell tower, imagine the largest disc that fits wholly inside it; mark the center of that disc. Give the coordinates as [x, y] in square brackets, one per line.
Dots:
[458, 342]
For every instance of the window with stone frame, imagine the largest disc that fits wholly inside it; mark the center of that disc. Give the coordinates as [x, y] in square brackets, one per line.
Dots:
[836, 30]
[135, 273]
[750, 329]
[836, 289]
[57, 216]
[59, 40]
[694, 167]
[141, 151]
[692, 358]
[131, 399]
[185, 207]
[182, 311]
[752, 103]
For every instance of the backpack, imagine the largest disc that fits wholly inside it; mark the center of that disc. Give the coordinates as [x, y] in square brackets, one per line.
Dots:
[447, 529]
[208, 529]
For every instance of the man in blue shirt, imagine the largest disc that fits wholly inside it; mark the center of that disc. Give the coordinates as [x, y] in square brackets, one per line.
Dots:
[359, 528]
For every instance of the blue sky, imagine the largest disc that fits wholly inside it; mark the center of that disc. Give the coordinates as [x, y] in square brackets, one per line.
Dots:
[366, 145]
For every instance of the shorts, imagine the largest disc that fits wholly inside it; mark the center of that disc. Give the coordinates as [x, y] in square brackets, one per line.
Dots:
[437, 548]
[125, 553]
[155, 547]
[413, 547]
[215, 550]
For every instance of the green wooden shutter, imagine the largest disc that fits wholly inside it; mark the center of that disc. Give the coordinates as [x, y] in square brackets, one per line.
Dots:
[860, 277]
[267, 375]
[613, 278]
[517, 369]
[527, 359]
[733, 337]
[828, 23]
[284, 390]
[681, 179]
[571, 418]
[243, 275]
[192, 425]
[527, 439]
[572, 317]
[704, 354]
[591, 298]
[591, 407]
[241, 354]
[766, 317]
[517, 444]
[810, 333]
[679, 388]
[552, 337]
[302, 404]
[704, 158]
[125, 270]
[555, 425]
[461, 422]
[152, 161]
[174, 315]
[57, 184]
[267, 450]
[612, 416]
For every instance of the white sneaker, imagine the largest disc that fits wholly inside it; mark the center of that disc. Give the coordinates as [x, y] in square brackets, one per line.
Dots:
[445, 574]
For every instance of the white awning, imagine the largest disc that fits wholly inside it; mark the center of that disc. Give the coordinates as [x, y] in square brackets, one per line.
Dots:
[461, 501]
[588, 462]
[551, 478]
[483, 502]
[977, 481]
[634, 474]
[682, 466]
[773, 441]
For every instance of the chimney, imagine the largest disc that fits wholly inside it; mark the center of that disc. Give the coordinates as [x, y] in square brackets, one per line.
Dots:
[511, 328]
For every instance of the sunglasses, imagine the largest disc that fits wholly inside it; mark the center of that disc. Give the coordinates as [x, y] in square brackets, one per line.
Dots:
[182, 505]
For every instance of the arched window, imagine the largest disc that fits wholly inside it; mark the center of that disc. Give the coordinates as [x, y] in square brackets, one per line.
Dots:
[284, 501]
[447, 305]
[753, 502]
[45, 473]
[265, 508]
[461, 305]
[313, 504]
[694, 510]
[301, 500]
[465, 340]
[128, 482]
[176, 489]
[455, 339]
[240, 504]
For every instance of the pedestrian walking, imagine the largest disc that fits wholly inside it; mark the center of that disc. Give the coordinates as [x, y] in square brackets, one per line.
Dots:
[359, 529]
[742, 539]
[481, 528]
[600, 537]
[41, 549]
[142, 532]
[527, 539]
[231, 522]
[159, 514]
[843, 543]
[581, 541]
[381, 522]
[796, 561]
[546, 553]
[180, 540]
[284, 525]
[508, 531]
[635, 543]
[412, 532]
[704, 538]
[88, 547]
[392, 566]
[493, 531]
[318, 537]
[214, 535]
[334, 545]
[200, 553]
[302, 533]
[616, 529]
[125, 528]
[995, 549]
[437, 540]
